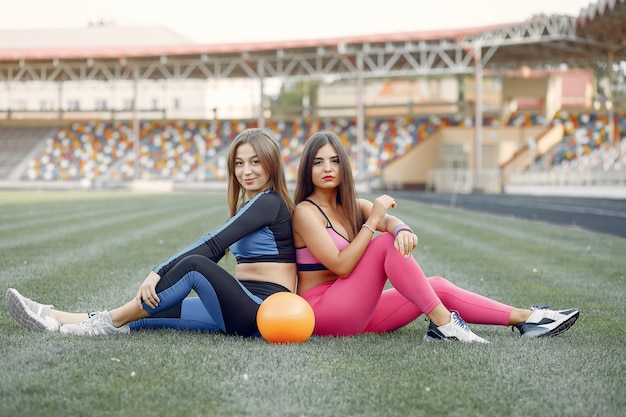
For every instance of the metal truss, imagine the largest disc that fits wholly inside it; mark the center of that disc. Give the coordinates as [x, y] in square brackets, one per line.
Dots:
[541, 42]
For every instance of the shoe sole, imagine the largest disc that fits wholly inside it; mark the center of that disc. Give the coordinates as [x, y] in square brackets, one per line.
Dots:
[429, 338]
[79, 333]
[562, 327]
[433, 335]
[22, 314]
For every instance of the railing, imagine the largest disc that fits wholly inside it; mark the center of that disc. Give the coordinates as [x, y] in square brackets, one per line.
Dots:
[464, 181]
[569, 178]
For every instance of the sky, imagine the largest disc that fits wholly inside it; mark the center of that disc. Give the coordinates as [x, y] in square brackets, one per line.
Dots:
[232, 21]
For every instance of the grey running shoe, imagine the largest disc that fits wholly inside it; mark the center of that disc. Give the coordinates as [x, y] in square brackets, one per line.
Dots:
[30, 314]
[544, 322]
[98, 323]
[457, 329]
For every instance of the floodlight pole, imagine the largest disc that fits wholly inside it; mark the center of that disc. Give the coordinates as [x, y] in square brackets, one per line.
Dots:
[136, 122]
[60, 100]
[360, 117]
[261, 118]
[478, 124]
[609, 103]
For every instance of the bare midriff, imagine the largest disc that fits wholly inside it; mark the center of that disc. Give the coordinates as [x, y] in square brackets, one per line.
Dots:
[311, 279]
[279, 273]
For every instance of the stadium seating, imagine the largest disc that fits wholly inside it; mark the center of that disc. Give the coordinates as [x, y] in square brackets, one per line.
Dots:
[173, 150]
[196, 150]
[15, 145]
[527, 119]
[79, 151]
[586, 146]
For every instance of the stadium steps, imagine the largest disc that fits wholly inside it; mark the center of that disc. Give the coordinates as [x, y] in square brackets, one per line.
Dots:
[17, 144]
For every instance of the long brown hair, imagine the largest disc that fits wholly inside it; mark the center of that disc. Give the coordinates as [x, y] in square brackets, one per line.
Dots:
[346, 192]
[271, 160]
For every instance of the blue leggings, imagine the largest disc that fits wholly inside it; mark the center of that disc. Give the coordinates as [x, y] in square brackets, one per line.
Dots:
[224, 304]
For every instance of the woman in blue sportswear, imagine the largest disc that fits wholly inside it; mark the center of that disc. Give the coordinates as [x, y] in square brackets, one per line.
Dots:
[258, 234]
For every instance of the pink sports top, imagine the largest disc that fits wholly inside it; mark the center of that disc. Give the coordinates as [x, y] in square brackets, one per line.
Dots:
[305, 260]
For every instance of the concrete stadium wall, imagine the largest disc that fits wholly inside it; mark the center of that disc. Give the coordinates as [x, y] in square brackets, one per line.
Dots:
[499, 146]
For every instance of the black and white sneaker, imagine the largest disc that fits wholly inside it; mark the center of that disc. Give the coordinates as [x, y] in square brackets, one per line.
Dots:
[457, 329]
[544, 322]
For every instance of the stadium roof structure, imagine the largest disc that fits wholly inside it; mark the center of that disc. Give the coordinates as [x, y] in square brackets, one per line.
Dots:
[597, 34]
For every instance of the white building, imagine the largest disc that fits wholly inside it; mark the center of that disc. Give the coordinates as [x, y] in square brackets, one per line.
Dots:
[171, 98]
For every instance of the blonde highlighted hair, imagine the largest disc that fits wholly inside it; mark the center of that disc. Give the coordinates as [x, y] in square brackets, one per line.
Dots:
[271, 160]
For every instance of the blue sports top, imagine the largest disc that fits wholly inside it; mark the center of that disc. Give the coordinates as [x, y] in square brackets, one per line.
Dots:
[259, 232]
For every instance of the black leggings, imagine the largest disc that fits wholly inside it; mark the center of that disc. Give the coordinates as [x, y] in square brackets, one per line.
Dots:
[224, 304]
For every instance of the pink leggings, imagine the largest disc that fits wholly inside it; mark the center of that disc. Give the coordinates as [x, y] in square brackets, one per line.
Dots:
[359, 304]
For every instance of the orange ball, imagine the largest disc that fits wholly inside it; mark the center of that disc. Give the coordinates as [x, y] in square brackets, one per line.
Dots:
[285, 317]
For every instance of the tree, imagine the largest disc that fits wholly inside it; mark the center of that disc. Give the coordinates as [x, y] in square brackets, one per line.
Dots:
[296, 98]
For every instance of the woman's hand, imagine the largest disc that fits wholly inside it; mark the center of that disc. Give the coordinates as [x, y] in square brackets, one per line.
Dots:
[379, 209]
[147, 291]
[405, 242]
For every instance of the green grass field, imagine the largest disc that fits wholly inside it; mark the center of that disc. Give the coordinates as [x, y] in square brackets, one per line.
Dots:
[90, 250]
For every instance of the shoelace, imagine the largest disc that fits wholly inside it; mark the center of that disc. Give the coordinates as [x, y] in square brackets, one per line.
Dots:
[546, 312]
[458, 320]
[94, 321]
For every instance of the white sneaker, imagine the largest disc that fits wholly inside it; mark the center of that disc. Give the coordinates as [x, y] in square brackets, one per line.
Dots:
[544, 322]
[98, 323]
[457, 329]
[30, 314]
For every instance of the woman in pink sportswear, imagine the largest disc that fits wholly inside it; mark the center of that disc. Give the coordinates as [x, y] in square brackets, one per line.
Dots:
[342, 270]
